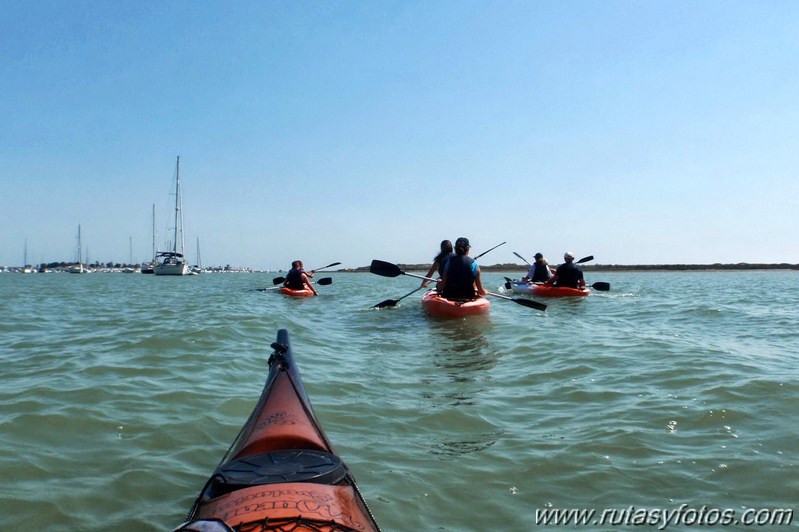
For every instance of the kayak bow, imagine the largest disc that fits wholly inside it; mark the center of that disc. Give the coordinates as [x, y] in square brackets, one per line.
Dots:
[281, 472]
[438, 306]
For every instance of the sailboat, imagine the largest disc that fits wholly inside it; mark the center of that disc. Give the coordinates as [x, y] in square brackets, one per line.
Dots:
[78, 268]
[26, 268]
[172, 262]
[198, 267]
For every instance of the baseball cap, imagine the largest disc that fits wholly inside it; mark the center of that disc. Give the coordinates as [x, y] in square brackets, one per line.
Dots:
[462, 242]
[568, 255]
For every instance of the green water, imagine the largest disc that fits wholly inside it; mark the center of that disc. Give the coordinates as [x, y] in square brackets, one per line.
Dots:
[120, 394]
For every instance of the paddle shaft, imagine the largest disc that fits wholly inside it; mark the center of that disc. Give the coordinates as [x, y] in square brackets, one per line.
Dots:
[492, 249]
[524, 302]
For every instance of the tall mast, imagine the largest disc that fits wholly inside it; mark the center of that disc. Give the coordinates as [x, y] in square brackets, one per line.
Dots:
[80, 257]
[153, 232]
[177, 212]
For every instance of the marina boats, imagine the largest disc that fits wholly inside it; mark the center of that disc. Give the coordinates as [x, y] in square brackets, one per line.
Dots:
[281, 472]
[173, 262]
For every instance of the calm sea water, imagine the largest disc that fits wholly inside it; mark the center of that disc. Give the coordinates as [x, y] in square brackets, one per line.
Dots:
[120, 394]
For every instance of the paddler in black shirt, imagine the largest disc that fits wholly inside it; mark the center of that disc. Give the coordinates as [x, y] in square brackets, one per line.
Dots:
[568, 274]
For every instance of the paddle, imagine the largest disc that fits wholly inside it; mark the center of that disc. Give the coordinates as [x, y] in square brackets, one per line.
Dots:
[584, 259]
[492, 249]
[525, 260]
[387, 269]
[324, 281]
[278, 280]
[602, 287]
[524, 302]
[393, 302]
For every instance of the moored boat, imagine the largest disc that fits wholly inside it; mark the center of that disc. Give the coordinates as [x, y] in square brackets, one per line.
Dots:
[173, 262]
[547, 290]
[281, 472]
[438, 306]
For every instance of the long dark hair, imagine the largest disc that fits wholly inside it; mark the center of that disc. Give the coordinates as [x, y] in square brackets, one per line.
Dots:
[446, 249]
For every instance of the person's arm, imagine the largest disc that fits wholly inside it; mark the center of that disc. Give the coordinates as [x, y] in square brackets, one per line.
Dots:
[310, 274]
[529, 277]
[308, 284]
[478, 282]
[430, 273]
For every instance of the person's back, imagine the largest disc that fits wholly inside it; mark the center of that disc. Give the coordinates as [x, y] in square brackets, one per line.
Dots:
[568, 274]
[294, 278]
[541, 272]
[460, 278]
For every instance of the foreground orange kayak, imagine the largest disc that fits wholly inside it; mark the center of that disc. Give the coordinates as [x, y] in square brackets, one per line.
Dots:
[304, 292]
[281, 472]
[438, 306]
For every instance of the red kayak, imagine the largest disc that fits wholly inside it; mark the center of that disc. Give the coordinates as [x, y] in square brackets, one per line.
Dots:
[438, 306]
[304, 292]
[281, 472]
[547, 290]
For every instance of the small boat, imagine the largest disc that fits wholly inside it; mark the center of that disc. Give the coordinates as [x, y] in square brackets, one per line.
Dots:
[438, 306]
[281, 472]
[304, 292]
[547, 290]
[173, 262]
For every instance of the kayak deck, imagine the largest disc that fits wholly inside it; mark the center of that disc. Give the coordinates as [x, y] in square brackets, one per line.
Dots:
[281, 472]
[438, 306]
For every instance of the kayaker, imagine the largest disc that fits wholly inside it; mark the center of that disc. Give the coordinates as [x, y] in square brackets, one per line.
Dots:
[539, 271]
[439, 261]
[568, 274]
[298, 279]
[461, 278]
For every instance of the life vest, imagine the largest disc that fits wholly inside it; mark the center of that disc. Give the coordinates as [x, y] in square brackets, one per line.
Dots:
[294, 279]
[460, 278]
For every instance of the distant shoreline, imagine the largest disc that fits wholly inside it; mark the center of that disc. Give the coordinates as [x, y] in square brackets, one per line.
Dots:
[615, 267]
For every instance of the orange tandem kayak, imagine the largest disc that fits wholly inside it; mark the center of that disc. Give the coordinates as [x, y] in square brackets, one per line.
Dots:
[438, 306]
[548, 290]
[281, 473]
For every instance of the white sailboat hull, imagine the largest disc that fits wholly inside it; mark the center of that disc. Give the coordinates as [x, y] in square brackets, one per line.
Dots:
[171, 269]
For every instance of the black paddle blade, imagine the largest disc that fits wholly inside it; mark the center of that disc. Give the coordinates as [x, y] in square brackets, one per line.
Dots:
[529, 303]
[328, 266]
[278, 280]
[602, 287]
[507, 285]
[325, 281]
[386, 269]
[585, 259]
[386, 303]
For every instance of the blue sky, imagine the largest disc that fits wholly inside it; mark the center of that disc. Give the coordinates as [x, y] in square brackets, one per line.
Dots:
[637, 132]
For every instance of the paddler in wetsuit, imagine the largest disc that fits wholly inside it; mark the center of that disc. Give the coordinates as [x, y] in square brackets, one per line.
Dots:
[298, 279]
[461, 278]
[568, 274]
[539, 272]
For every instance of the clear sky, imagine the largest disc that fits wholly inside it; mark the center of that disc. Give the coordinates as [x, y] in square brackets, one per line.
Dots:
[639, 132]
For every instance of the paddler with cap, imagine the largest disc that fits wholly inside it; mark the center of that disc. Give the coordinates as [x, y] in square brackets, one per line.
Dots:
[539, 272]
[461, 277]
